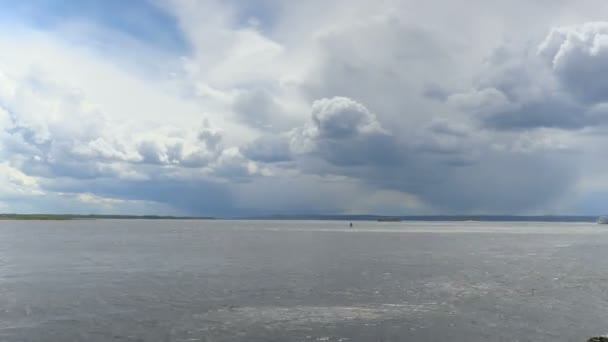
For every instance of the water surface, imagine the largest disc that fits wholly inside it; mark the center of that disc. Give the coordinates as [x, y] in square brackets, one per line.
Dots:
[136, 280]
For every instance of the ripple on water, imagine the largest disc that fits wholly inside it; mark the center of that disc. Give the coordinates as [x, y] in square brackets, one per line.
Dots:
[241, 319]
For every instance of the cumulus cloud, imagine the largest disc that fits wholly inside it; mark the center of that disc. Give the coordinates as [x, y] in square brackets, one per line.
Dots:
[578, 55]
[343, 132]
[348, 106]
[555, 87]
[444, 166]
[342, 118]
[52, 132]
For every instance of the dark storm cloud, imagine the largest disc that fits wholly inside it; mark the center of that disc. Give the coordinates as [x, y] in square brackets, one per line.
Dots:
[66, 168]
[268, 149]
[435, 92]
[188, 196]
[503, 183]
[445, 164]
[578, 55]
[552, 112]
[554, 88]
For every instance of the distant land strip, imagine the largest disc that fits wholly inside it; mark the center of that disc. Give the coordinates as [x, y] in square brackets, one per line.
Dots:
[62, 217]
[481, 218]
[380, 218]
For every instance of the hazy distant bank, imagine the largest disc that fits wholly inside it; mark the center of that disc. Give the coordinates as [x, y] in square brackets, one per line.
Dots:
[457, 218]
[60, 217]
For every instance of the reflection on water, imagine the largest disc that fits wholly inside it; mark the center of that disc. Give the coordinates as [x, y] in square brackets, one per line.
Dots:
[301, 281]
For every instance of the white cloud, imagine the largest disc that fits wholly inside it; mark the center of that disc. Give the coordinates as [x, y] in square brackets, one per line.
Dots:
[486, 100]
[15, 182]
[359, 103]
[578, 55]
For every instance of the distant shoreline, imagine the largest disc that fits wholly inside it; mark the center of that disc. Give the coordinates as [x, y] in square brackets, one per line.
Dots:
[377, 218]
[433, 218]
[67, 217]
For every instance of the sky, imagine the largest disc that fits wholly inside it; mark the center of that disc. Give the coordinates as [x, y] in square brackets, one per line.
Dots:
[237, 108]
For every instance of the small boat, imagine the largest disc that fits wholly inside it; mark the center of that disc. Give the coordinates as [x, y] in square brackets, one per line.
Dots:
[602, 220]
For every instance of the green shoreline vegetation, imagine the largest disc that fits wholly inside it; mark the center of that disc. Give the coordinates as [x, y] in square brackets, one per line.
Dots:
[64, 217]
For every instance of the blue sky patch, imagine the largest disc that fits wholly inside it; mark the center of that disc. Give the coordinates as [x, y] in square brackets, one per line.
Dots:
[139, 19]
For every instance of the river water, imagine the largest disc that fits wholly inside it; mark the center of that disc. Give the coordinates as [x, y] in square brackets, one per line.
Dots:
[156, 280]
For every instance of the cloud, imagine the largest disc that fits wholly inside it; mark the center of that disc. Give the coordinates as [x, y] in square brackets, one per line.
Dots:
[578, 55]
[446, 167]
[555, 87]
[51, 134]
[343, 132]
[342, 118]
[52, 124]
[348, 106]
[268, 149]
[381, 54]
[231, 164]
[550, 111]
[289, 193]
[260, 109]
[189, 196]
